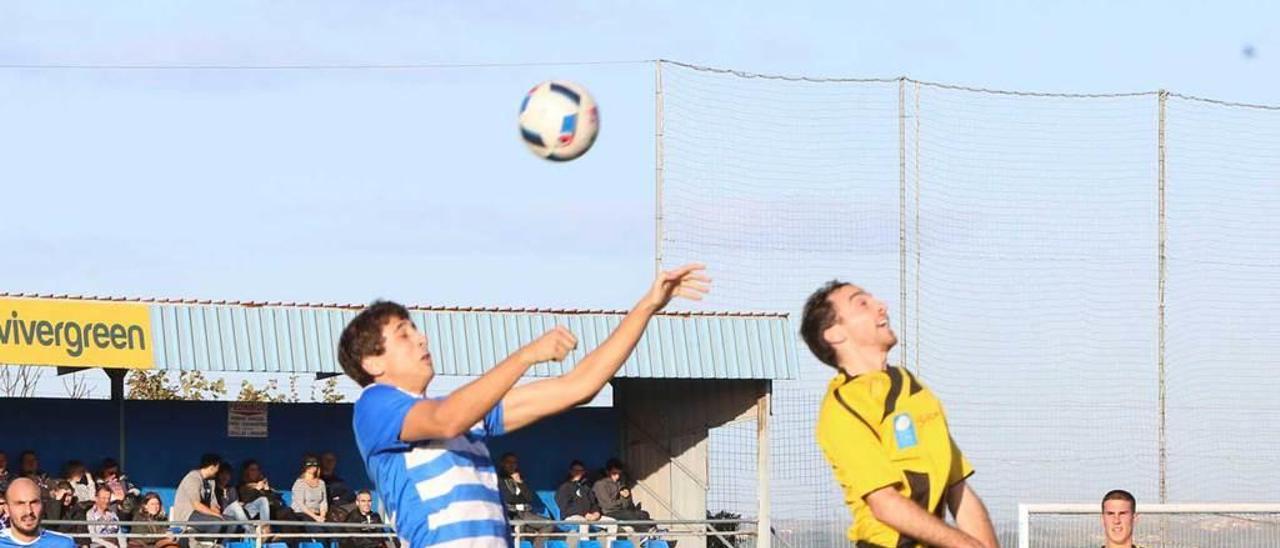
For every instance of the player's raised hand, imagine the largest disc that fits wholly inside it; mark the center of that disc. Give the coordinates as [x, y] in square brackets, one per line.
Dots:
[553, 345]
[687, 281]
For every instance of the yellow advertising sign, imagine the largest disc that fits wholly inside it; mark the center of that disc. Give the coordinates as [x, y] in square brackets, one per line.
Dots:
[75, 333]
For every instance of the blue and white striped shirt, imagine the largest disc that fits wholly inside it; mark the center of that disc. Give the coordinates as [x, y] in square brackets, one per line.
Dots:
[438, 493]
[47, 539]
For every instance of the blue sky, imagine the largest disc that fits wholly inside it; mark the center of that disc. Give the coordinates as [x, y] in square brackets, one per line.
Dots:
[346, 185]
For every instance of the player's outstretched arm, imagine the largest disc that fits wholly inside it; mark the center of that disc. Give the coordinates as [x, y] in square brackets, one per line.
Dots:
[908, 518]
[528, 403]
[971, 515]
[450, 417]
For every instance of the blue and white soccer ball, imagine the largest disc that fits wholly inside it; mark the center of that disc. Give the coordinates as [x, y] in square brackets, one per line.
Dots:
[558, 120]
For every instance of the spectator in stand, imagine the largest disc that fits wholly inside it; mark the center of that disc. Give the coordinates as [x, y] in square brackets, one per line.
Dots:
[578, 503]
[29, 467]
[4, 470]
[364, 514]
[340, 494]
[613, 493]
[310, 500]
[4, 512]
[82, 484]
[228, 498]
[151, 510]
[194, 500]
[25, 510]
[63, 505]
[107, 534]
[124, 494]
[517, 497]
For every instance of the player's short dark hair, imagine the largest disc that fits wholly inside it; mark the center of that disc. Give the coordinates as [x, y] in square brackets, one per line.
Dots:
[363, 338]
[1120, 494]
[209, 459]
[818, 315]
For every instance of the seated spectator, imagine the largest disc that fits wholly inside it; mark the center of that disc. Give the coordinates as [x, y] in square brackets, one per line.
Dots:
[364, 514]
[29, 467]
[578, 503]
[124, 494]
[613, 493]
[517, 497]
[4, 471]
[228, 498]
[62, 504]
[340, 495]
[82, 483]
[107, 533]
[310, 500]
[4, 512]
[194, 500]
[150, 510]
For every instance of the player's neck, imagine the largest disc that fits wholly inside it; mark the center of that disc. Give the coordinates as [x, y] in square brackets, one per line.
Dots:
[862, 361]
[1128, 544]
[22, 537]
[408, 386]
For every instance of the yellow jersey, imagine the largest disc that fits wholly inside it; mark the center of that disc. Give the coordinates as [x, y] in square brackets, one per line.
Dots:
[885, 429]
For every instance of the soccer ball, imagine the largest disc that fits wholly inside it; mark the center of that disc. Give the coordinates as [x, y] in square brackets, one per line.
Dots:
[558, 120]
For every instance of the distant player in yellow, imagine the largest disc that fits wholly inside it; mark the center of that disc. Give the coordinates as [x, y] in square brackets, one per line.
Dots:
[885, 434]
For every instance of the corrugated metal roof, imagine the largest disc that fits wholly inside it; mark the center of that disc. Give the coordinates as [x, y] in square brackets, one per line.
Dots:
[300, 338]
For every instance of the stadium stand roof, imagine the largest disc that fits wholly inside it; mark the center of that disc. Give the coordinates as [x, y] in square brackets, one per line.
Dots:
[274, 337]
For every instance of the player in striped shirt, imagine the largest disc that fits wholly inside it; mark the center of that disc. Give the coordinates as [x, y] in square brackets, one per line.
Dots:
[427, 456]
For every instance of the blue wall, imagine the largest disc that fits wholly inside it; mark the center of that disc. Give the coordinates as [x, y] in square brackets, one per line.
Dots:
[165, 439]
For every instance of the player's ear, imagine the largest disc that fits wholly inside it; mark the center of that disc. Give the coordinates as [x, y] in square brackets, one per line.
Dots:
[373, 365]
[834, 335]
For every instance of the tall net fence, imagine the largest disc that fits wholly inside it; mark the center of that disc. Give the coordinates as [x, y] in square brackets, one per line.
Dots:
[1089, 282]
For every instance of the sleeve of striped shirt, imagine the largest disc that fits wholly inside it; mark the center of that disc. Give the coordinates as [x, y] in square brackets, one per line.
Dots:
[493, 422]
[380, 415]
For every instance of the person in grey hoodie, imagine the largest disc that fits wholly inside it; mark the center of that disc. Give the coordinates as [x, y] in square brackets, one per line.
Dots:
[613, 493]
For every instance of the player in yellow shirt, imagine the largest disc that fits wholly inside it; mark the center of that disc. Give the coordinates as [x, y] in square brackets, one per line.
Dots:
[885, 434]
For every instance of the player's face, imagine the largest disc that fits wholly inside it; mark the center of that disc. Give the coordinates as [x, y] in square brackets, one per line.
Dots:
[1117, 519]
[405, 361]
[24, 509]
[861, 320]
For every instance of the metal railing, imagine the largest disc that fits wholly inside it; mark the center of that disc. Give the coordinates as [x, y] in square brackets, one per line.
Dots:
[256, 533]
[642, 529]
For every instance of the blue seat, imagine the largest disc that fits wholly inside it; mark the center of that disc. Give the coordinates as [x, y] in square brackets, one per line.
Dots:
[557, 543]
[275, 545]
[657, 543]
[622, 543]
[239, 544]
[591, 543]
[311, 544]
[526, 544]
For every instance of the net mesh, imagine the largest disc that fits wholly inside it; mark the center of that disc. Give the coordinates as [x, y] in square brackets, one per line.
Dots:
[1016, 239]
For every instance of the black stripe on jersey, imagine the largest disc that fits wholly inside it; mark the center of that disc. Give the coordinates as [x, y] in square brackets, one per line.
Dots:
[895, 390]
[919, 485]
[849, 408]
[911, 381]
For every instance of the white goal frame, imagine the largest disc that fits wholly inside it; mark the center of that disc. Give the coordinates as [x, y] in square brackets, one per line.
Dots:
[1095, 508]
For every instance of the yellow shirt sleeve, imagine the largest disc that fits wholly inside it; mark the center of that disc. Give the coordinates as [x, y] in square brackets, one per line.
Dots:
[854, 451]
[960, 467]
